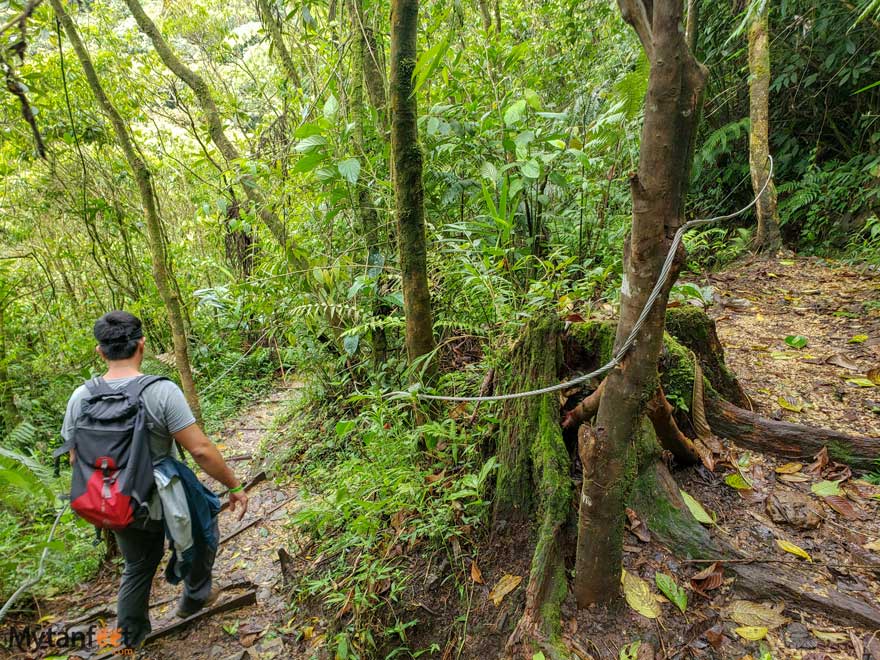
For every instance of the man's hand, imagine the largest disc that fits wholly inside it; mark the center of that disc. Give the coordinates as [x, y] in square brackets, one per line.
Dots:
[239, 499]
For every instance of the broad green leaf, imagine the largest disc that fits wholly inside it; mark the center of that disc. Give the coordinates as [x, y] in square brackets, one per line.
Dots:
[532, 98]
[310, 143]
[697, 510]
[344, 427]
[489, 171]
[331, 107]
[736, 480]
[350, 169]
[796, 341]
[428, 62]
[350, 344]
[531, 169]
[309, 161]
[860, 382]
[826, 488]
[667, 586]
[858, 339]
[790, 403]
[514, 112]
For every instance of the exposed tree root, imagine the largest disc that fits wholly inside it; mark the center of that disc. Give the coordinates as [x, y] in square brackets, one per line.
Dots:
[660, 412]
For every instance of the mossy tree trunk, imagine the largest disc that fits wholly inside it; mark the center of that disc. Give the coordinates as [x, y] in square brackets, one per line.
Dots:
[408, 187]
[675, 88]
[215, 127]
[534, 481]
[161, 262]
[367, 73]
[767, 236]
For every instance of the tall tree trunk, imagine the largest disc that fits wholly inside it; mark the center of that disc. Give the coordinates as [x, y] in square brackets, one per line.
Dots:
[273, 27]
[215, 126]
[408, 188]
[161, 263]
[8, 412]
[485, 14]
[693, 25]
[767, 236]
[672, 105]
[365, 65]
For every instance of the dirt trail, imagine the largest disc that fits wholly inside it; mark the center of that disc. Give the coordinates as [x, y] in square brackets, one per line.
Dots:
[248, 557]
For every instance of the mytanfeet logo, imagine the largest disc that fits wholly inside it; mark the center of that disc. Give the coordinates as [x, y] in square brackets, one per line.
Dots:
[103, 639]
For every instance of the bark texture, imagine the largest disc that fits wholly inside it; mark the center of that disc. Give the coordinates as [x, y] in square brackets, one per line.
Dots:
[215, 125]
[408, 187]
[161, 263]
[675, 88]
[767, 236]
[534, 479]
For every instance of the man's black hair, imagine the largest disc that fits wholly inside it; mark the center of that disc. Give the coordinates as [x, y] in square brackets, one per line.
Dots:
[118, 333]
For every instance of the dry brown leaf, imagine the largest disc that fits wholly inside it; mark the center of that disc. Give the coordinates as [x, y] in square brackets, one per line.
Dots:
[789, 468]
[820, 461]
[637, 527]
[843, 506]
[793, 478]
[709, 578]
[873, 546]
[476, 575]
[874, 375]
[748, 613]
[505, 585]
[840, 360]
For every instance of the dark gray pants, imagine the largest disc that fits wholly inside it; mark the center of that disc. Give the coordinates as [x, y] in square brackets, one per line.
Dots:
[142, 548]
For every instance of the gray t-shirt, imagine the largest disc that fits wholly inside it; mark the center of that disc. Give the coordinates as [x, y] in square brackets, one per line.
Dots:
[166, 409]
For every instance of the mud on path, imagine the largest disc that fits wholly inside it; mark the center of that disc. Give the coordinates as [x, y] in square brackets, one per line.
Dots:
[246, 562]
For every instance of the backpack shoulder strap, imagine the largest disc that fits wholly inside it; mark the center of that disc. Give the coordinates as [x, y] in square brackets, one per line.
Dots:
[138, 385]
[98, 386]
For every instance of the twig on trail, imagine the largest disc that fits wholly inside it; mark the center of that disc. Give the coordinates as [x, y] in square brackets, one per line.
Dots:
[255, 521]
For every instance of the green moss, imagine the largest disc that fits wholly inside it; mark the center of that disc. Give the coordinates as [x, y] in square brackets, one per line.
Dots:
[677, 371]
[673, 524]
[594, 337]
[689, 323]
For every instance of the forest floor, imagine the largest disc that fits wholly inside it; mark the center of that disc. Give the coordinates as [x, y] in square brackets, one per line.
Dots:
[758, 304]
[246, 562]
[826, 382]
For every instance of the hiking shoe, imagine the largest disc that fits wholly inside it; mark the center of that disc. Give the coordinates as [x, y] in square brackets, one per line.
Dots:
[186, 610]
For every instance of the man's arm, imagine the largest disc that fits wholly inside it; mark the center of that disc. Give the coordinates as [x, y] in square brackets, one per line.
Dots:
[211, 461]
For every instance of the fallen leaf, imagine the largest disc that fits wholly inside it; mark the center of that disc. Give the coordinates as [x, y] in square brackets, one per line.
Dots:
[748, 613]
[843, 506]
[790, 403]
[826, 488]
[830, 637]
[638, 595]
[476, 575]
[793, 478]
[697, 510]
[820, 460]
[671, 590]
[873, 546]
[637, 527]
[736, 480]
[789, 468]
[709, 578]
[796, 341]
[858, 339]
[860, 382]
[794, 549]
[505, 585]
[751, 633]
[715, 636]
[843, 362]
[874, 375]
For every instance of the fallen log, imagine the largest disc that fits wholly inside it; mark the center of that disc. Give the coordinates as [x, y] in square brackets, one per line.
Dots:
[770, 436]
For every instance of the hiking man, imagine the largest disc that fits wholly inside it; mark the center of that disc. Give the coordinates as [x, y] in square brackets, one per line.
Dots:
[167, 418]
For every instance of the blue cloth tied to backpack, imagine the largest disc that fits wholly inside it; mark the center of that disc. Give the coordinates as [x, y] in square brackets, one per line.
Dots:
[201, 504]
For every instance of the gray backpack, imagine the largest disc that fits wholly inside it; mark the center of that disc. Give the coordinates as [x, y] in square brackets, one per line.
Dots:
[112, 470]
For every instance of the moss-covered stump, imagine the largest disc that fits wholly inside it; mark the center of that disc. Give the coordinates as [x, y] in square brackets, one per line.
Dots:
[534, 479]
[694, 329]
